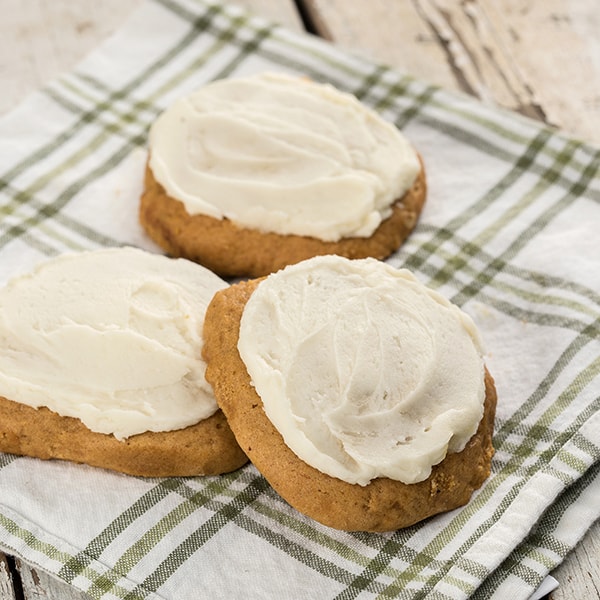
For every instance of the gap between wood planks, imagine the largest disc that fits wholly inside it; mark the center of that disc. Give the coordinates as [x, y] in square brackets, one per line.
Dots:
[11, 587]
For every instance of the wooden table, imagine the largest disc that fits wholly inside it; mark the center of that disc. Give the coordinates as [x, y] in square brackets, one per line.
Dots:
[540, 58]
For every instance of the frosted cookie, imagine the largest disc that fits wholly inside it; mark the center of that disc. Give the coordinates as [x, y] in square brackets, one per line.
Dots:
[100, 363]
[246, 176]
[360, 394]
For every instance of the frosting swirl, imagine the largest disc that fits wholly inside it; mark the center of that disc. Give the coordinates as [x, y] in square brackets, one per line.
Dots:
[111, 337]
[282, 154]
[363, 370]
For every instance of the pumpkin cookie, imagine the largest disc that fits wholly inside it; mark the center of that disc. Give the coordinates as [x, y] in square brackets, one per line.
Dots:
[246, 176]
[101, 364]
[347, 398]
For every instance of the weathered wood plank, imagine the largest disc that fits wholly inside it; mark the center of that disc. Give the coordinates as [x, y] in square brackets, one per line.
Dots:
[38, 585]
[39, 40]
[7, 591]
[397, 35]
[579, 575]
[539, 58]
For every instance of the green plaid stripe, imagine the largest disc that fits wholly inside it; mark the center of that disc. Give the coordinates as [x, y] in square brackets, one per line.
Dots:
[139, 114]
[518, 456]
[542, 546]
[412, 563]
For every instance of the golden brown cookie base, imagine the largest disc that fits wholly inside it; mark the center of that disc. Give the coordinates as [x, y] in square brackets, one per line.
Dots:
[384, 504]
[207, 448]
[233, 251]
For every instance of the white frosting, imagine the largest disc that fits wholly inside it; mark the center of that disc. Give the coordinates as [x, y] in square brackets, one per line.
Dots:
[363, 370]
[112, 337]
[282, 154]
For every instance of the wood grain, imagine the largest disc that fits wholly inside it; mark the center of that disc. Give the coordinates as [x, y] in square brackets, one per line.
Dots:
[397, 35]
[37, 585]
[7, 589]
[538, 58]
[579, 574]
[39, 40]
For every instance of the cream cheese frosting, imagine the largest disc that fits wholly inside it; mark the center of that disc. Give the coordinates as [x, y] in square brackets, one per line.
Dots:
[112, 337]
[282, 154]
[363, 370]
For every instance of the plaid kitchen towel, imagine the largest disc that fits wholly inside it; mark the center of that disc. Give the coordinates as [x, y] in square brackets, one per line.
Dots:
[509, 233]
